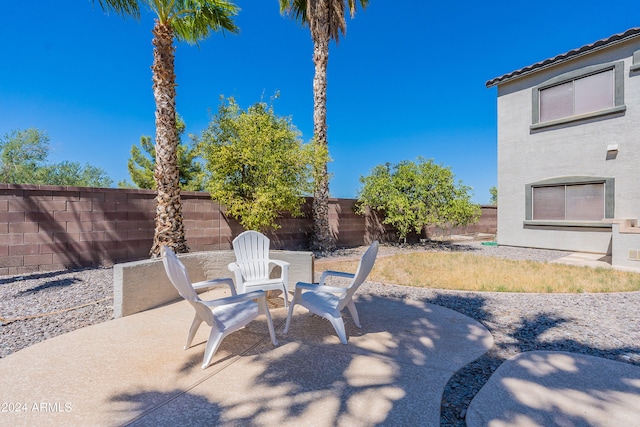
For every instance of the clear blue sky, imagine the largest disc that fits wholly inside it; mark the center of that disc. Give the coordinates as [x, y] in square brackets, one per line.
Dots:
[408, 80]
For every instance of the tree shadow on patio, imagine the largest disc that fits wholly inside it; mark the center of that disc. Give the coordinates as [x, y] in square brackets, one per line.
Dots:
[178, 408]
[391, 372]
[527, 335]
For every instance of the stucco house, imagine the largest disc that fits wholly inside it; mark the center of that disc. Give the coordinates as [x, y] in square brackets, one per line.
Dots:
[569, 151]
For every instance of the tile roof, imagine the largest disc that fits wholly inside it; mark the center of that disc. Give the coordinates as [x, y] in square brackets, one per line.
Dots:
[600, 44]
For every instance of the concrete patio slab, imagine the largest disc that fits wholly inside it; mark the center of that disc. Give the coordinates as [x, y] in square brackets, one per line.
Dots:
[134, 369]
[408, 331]
[542, 388]
[294, 385]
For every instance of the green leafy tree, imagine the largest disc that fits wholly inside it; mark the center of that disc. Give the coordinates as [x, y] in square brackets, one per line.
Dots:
[185, 20]
[75, 174]
[258, 166]
[326, 21]
[414, 195]
[23, 155]
[494, 195]
[24, 160]
[142, 163]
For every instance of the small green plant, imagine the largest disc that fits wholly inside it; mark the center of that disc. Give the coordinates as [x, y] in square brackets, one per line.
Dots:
[142, 163]
[494, 195]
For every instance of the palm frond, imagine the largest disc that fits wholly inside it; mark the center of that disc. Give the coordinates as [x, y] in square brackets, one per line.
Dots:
[121, 7]
[296, 9]
[194, 20]
[352, 6]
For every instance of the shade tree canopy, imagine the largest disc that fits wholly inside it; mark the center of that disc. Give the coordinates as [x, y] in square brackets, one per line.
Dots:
[413, 195]
[256, 164]
[24, 159]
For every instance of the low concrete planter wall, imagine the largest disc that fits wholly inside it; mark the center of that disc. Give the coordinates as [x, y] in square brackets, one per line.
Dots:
[142, 285]
[625, 246]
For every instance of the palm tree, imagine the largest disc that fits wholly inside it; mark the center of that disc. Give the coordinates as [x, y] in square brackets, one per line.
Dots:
[190, 21]
[326, 21]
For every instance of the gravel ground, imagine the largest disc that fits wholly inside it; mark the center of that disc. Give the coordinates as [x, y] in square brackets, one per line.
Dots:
[39, 306]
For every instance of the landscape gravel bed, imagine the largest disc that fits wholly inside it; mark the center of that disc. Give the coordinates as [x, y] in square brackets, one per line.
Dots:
[38, 306]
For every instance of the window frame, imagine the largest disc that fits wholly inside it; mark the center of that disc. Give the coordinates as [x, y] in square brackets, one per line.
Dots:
[609, 200]
[618, 107]
[635, 66]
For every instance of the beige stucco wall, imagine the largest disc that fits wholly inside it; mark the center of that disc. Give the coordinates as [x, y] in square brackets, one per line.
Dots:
[573, 149]
[142, 285]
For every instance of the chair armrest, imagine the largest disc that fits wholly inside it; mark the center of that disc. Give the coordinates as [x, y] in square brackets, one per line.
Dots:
[237, 272]
[213, 283]
[235, 299]
[284, 270]
[328, 273]
[320, 288]
[280, 263]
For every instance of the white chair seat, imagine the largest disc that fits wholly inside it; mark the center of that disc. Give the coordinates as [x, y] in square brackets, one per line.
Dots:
[320, 301]
[231, 314]
[271, 283]
[329, 301]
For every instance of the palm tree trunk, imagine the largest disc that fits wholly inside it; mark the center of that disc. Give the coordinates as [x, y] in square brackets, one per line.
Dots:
[169, 226]
[319, 24]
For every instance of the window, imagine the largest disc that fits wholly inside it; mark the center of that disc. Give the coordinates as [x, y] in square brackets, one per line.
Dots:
[577, 202]
[579, 96]
[588, 92]
[570, 199]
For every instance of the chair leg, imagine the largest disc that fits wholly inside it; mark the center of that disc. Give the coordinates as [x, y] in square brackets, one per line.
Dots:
[354, 313]
[272, 332]
[291, 305]
[212, 346]
[192, 331]
[285, 296]
[338, 325]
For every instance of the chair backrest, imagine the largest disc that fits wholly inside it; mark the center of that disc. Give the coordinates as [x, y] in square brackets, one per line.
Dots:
[177, 273]
[364, 268]
[252, 254]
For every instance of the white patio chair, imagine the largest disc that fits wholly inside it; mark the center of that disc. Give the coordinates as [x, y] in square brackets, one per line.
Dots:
[253, 265]
[224, 315]
[328, 301]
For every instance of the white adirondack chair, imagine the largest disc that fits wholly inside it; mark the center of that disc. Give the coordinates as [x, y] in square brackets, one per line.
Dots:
[253, 266]
[328, 301]
[224, 315]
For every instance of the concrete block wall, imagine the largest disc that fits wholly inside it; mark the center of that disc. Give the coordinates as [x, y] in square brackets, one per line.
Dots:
[46, 228]
[487, 224]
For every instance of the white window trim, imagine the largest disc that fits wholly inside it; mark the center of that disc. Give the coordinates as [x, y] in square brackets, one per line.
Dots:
[618, 107]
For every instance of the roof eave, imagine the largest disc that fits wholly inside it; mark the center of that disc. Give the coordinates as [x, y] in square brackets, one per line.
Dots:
[565, 57]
